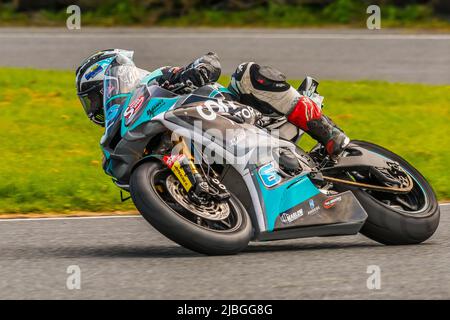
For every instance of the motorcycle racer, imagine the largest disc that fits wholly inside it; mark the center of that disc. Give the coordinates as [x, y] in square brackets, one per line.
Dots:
[261, 87]
[213, 174]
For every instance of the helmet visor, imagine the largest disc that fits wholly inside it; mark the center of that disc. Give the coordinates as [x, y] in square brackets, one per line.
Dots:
[91, 103]
[86, 102]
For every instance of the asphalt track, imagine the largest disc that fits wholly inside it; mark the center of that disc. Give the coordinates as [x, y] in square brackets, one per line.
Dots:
[124, 257]
[322, 53]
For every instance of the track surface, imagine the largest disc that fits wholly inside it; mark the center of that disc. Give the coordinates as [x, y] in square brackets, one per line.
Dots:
[324, 54]
[126, 258]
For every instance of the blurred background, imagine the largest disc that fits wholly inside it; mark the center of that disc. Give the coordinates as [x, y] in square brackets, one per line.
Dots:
[249, 13]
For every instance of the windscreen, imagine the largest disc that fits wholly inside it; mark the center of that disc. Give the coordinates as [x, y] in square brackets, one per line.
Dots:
[121, 77]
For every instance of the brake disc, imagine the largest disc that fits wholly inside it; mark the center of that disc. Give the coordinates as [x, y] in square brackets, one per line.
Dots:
[211, 210]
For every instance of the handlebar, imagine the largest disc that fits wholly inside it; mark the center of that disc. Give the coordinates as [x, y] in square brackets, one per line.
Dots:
[187, 86]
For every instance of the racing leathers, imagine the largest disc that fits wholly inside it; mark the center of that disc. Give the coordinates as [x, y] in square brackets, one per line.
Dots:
[265, 89]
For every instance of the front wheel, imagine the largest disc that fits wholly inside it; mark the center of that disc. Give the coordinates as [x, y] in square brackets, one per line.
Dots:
[216, 228]
[397, 219]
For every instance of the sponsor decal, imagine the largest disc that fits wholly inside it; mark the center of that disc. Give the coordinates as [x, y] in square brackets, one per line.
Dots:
[174, 163]
[170, 160]
[331, 202]
[245, 112]
[313, 211]
[287, 218]
[312, 207]
[133, 107]
[153, 111]
[93, 71]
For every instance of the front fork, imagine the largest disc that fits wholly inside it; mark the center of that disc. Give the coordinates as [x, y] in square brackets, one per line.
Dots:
[181, 163]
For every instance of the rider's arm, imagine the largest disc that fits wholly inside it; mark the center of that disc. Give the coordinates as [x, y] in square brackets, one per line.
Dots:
[203, 70]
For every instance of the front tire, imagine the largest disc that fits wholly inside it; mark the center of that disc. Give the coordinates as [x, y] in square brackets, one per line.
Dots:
[150, 203]
[393, 225]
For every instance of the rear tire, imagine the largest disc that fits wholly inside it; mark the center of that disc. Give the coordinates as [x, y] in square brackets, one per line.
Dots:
[179, 229]
[397, 227]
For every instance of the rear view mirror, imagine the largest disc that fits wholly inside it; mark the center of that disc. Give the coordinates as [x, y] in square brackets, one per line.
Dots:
[308, 86]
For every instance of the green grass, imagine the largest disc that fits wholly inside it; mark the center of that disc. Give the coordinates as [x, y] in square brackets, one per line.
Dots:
[273, 15]
[51, 159]
[350, 13]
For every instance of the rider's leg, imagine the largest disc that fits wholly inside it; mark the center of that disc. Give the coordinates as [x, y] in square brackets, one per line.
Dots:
[266, 89]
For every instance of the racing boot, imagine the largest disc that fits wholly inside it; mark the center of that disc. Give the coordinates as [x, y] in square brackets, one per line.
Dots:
[330, 136]
[308, 116]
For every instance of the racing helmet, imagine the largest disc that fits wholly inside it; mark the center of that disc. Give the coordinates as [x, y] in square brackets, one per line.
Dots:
[89, 81]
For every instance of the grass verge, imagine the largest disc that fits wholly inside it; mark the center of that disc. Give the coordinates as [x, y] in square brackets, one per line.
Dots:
[350, 13]
[51, 161]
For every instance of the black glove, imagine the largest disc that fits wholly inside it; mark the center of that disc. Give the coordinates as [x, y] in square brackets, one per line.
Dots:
[203, 70]
[197, 75]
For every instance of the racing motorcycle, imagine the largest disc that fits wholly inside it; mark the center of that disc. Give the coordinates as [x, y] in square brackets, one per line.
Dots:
[207, 174]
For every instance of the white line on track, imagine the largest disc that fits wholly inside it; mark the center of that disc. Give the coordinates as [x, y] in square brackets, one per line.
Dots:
[69, 218]
[222, 35]
[102, 217]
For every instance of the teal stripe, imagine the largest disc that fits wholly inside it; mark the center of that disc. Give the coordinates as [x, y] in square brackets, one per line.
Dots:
[284, 197]
[116, 96]
[212, 94]
[152, 76]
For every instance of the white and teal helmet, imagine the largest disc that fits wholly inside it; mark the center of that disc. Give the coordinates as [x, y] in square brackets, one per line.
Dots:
[89, 81]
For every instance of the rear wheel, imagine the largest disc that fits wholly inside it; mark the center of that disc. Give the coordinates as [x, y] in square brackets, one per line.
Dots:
[397, 219]
[214, 228]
